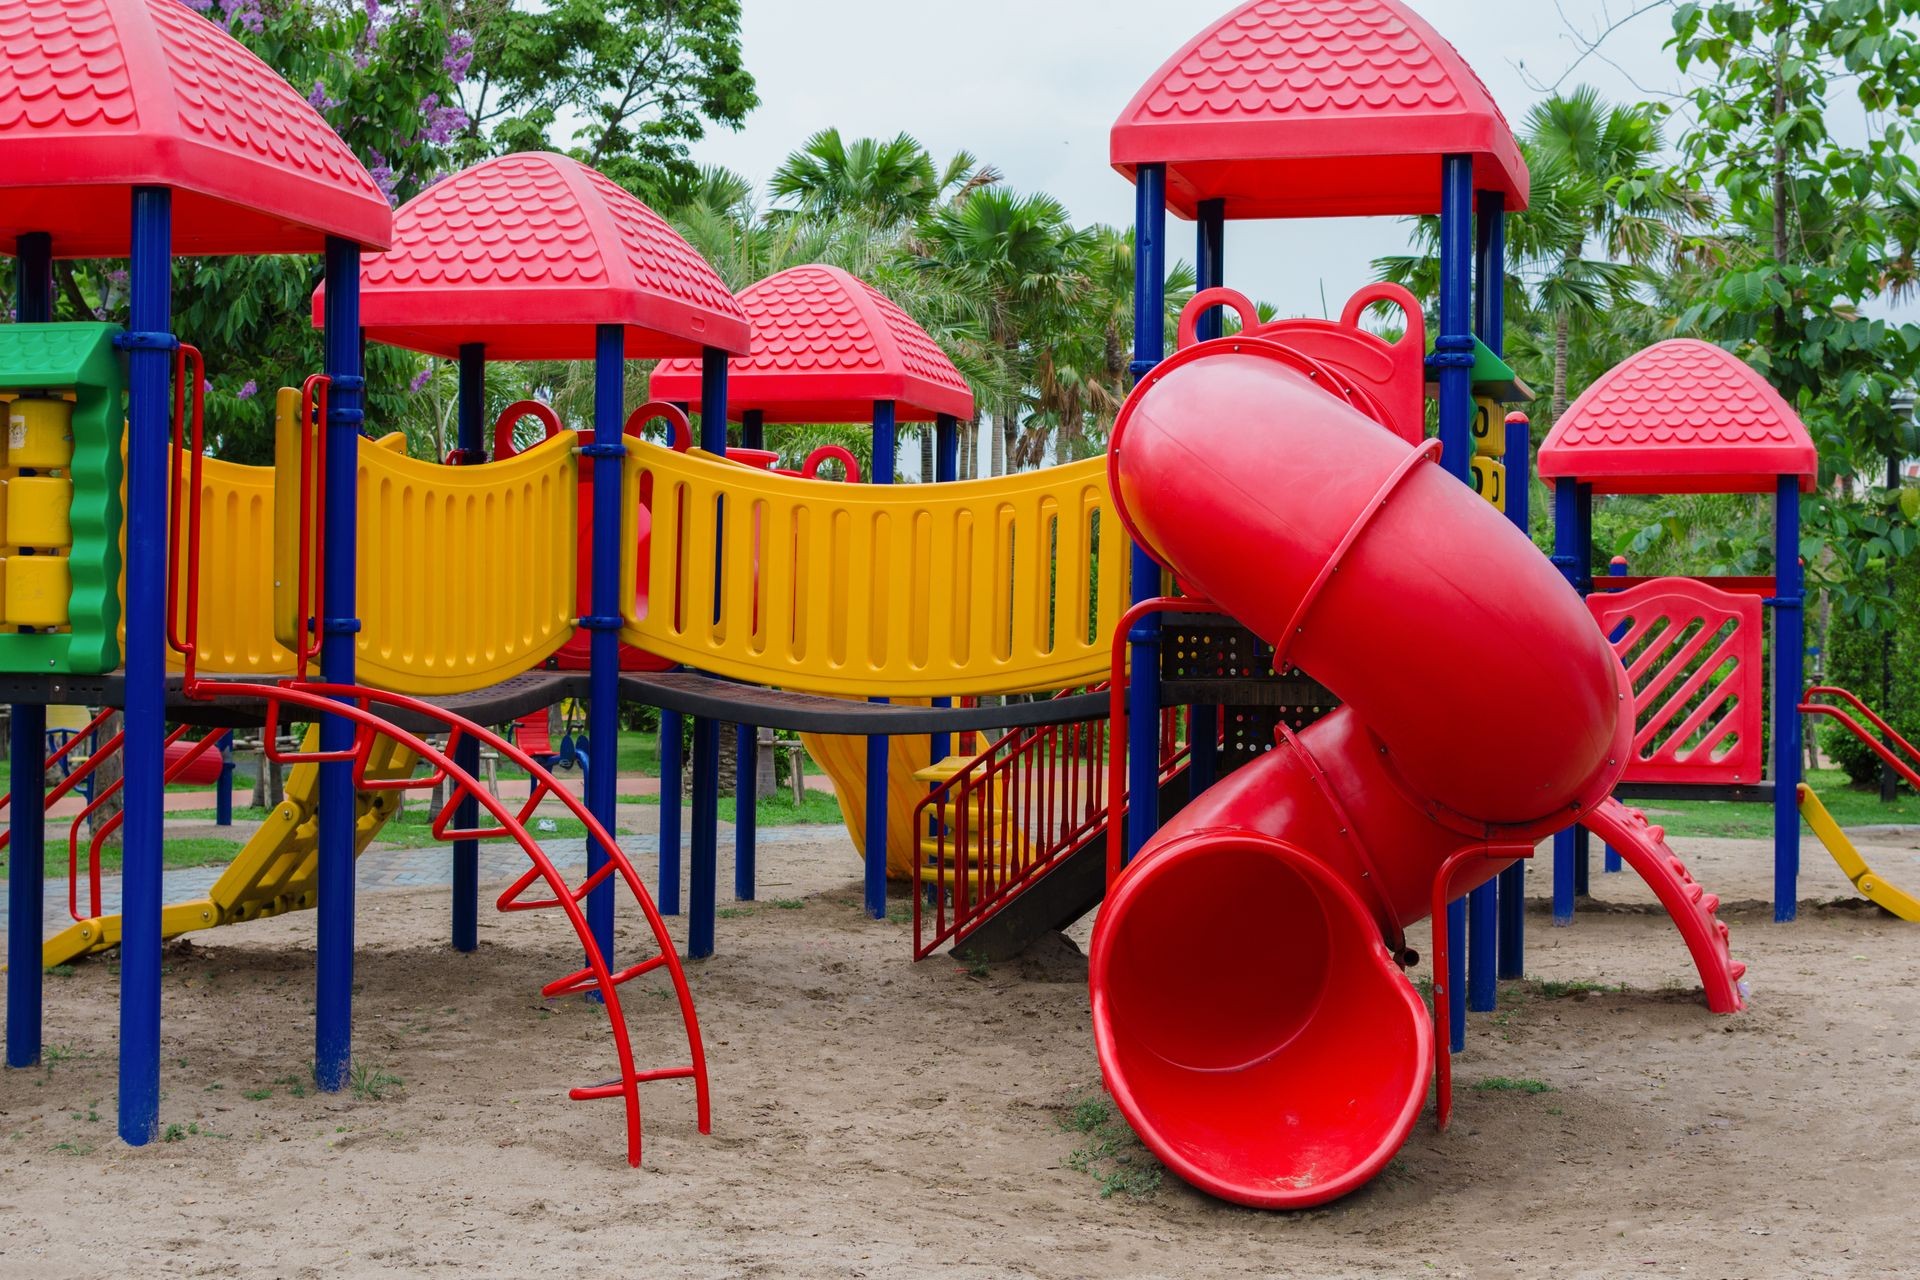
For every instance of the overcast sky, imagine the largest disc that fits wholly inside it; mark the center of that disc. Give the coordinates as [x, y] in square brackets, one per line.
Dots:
[1033, 86]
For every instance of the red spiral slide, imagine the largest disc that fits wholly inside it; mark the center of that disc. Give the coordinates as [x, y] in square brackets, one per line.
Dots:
[1250, 1011]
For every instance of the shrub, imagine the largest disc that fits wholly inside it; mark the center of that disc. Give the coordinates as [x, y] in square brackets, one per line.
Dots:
[1854, 662]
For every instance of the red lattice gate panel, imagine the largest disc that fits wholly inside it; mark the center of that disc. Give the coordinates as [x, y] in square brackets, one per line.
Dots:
[1693, 653]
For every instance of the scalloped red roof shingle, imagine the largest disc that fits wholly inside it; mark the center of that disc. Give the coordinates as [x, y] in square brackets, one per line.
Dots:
[527, 254]
[826, 346]
[1681, 416]
[113, 94]
[1290, 108]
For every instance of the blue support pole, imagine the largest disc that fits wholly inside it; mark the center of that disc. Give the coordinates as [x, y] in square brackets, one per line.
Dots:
[608, 452]
[339, 625]
[1567, 558]
[26, 876]
[746, 741]
[470, 449]
[1210, 257]
[1789, 679]
[1489, 319]
[673, 768]
[223, 789]
[150, 279]
[1149, 348]
[704, 861]
[878, 758]
[1512, 949]
[946, 469]
[1452, 359]
[1583, 534]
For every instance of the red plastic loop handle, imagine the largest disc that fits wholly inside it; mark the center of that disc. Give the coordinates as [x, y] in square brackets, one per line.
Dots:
[1205, 301]
[810, 470]
[672, 414]
[1383, 291]
[510, 417]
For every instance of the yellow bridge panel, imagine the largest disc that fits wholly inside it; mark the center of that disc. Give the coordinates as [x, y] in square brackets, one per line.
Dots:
[984, 586]
[466, 574]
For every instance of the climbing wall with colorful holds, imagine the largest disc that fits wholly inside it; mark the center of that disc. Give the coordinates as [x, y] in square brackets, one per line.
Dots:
[60, 507]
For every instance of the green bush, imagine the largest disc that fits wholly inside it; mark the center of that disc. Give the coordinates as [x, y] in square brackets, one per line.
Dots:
[1854, 662]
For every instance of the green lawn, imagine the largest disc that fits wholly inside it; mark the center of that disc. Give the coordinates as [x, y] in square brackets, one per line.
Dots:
[195, 851]
[1850, 808]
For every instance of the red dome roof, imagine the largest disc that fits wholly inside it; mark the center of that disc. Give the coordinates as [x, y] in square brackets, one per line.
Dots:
[826, 346]
[100, 96]
[1682, 416]
[1316, 109]
[528, 254]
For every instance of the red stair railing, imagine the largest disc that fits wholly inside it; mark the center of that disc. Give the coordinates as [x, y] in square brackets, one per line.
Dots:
[357, 705]
[1903, 761]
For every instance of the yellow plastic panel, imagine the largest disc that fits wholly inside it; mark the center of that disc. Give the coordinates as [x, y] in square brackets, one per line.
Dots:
[40, 433]
[39, 511]
[466, 573]
[38, 590]
[1489, 427]
[286, 515]
[1490, 480]
[985, 586]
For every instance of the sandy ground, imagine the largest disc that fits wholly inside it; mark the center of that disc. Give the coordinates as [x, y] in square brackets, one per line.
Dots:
[874, 1117]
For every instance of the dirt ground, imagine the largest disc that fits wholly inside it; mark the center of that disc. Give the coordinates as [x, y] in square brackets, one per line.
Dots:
[874, 1117]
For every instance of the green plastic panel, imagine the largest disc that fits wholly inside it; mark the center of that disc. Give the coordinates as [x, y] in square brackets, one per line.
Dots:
[79, 358]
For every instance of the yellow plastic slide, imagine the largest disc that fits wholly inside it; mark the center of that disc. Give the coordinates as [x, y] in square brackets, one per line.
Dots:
[1875, 890]
[275, 872]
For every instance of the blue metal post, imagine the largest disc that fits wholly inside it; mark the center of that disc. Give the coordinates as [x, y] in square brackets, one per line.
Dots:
[946, 468]
[223, 789]
[1512, 951]
[704, 862]
[1149, 348]
[26, 875]
[746, 740]
[1583, 539]
[607, 451]
[1452, 358]
[673, 767]
[1566, 557]
[1210, 257]
[340, 625]
[878, 759]
[470, 449]
[1489, 318]
[1789, 679]
[150, 307]
[1616, 568]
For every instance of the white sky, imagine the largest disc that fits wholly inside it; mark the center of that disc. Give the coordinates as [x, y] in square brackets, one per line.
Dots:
[1033, 86]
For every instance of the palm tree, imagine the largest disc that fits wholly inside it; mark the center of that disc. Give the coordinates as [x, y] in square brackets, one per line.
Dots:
[883, 181]
[1026, 263]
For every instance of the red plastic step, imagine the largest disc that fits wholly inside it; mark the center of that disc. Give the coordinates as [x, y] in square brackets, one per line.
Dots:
[1643, 847]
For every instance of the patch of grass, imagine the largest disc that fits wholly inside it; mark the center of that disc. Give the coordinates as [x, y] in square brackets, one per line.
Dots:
[733, 913]
[60, 971]
[789, 904]
[1511, 1084]
[1850, 806]
[371, 1083]
[258, 1095]
[175, 852]
[74, 1148]
[1109, 1152]
[295, 1085]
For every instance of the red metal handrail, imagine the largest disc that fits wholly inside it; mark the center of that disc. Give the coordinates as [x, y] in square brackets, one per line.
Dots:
[172, 773]
[1905, 768]
[189, 450]
[74, 777]
[356, 704]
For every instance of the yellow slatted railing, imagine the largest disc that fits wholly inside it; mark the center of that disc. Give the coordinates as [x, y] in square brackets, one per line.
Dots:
[984, 586]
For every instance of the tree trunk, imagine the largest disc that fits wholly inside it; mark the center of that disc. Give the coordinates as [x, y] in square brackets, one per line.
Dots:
[1560, 326]
[926, 454]
[999, 445]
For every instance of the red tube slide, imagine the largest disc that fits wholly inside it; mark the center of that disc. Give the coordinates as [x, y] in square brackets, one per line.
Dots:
[1249, 1010]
